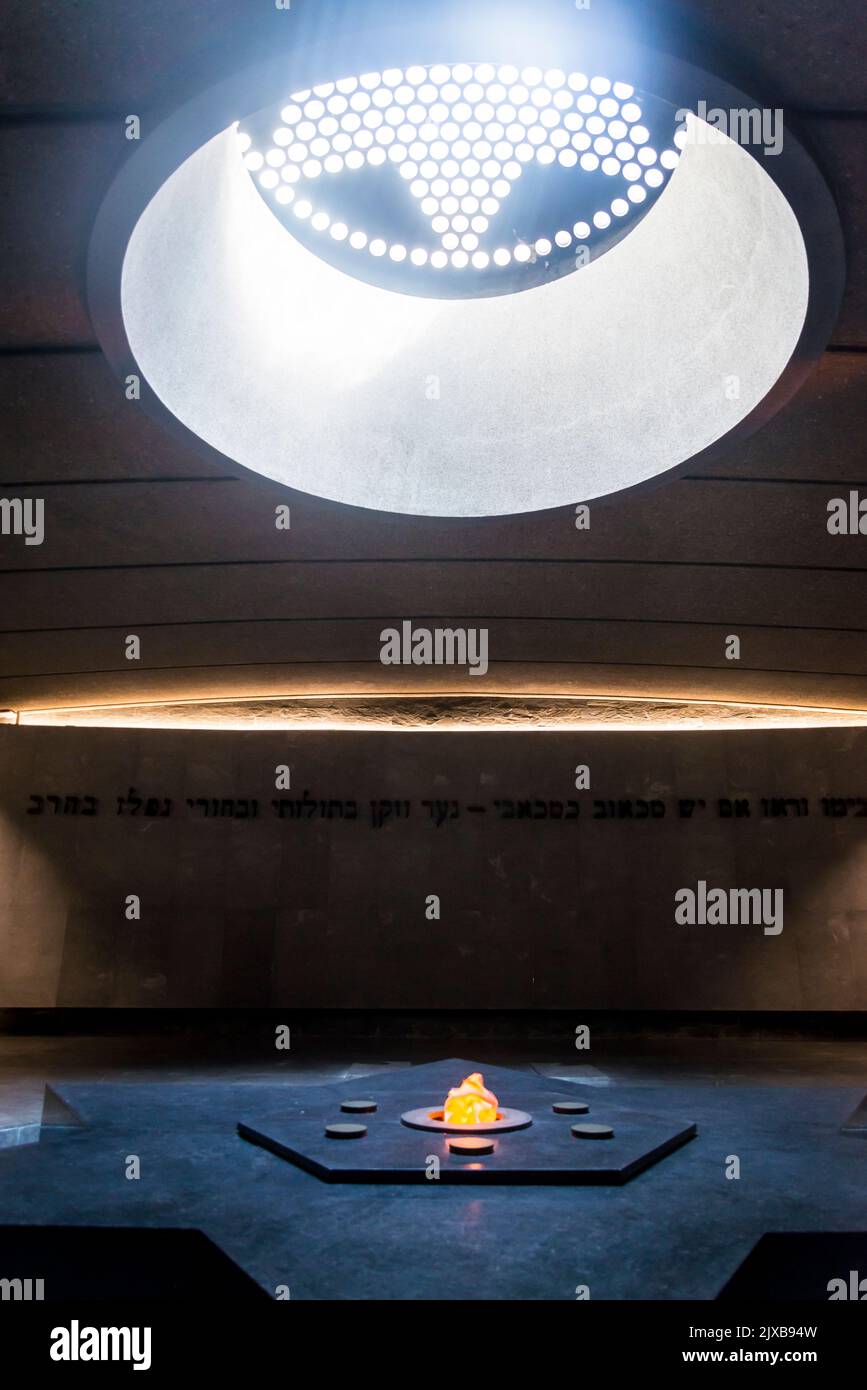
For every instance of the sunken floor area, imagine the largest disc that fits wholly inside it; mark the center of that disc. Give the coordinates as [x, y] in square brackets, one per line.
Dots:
[76, 1106]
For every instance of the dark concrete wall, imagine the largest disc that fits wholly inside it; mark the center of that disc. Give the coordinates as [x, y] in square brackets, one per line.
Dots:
[537, 910]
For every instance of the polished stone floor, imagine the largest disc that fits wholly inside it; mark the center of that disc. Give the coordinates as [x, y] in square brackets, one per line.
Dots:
[678, 1230]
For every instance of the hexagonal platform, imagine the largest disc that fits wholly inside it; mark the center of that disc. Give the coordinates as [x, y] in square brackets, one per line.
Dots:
[546, 1152]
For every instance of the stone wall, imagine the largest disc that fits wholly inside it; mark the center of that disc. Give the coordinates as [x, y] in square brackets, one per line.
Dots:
[549, 896]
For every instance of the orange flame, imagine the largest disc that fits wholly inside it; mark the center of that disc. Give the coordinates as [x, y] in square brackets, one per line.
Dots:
[470, 1103]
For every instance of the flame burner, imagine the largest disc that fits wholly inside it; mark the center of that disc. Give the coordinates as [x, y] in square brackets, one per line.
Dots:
[468, 1109]
[433, 1119]
[457, 1122]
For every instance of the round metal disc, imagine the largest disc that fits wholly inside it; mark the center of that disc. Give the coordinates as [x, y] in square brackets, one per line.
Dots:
[346, 1131]
[358, 1107]
[570, 1107]
[432, 1119]
[593, 1131]
[470, 1145]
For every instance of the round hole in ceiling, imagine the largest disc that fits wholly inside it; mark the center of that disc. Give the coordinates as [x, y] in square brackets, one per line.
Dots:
[369, 267]
[463, 179]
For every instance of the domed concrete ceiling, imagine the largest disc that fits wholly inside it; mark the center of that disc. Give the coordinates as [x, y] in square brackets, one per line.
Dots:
[241, 586]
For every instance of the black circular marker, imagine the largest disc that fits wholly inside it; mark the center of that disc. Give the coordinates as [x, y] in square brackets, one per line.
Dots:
[570, 1107]
[358, 1107]
[470, 1145]
[593, 1131]
[345, 1131]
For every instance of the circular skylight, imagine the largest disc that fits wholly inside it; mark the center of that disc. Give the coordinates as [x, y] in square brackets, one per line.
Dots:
[461, 179]
[377, 274]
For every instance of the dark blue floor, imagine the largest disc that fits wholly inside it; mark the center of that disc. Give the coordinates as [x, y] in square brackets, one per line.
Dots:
[678, 1230]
